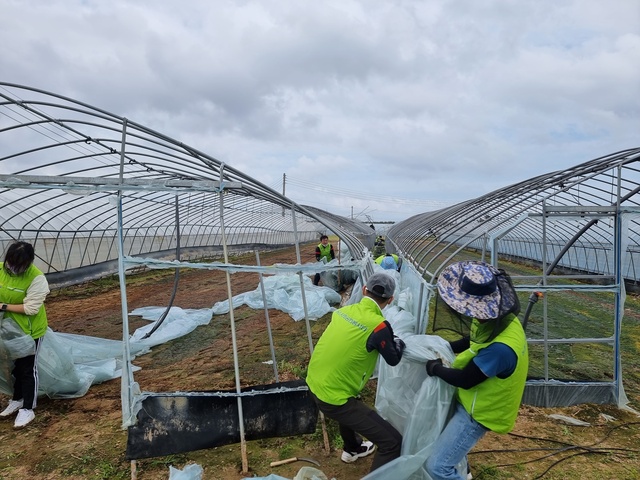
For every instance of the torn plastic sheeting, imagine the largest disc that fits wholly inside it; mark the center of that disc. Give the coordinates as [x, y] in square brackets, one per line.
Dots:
[190, 472]
[284, 293]
[275, 269]
[68, 365]
[569, 420]
[416, 404]
[177, 323]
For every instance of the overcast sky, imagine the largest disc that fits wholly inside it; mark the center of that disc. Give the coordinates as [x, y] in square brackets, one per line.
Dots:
[374, 108]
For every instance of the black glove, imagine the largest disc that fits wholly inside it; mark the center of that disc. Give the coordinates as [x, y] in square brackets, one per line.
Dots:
[400, 345]
[431, 366]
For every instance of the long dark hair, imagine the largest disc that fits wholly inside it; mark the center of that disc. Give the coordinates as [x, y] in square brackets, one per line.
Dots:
[19, 257]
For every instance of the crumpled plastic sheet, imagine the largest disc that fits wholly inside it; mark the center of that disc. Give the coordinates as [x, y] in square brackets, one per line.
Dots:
[69, 364]
[416, 404]
[283, 293]
[190, 472]
[177, 323]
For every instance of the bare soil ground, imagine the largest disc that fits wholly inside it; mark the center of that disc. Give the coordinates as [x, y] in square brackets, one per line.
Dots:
[82, 438]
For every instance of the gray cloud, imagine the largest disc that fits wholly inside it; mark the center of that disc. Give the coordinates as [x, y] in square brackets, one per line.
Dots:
[435, 101]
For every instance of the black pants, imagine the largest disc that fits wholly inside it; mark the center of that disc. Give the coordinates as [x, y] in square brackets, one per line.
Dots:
[356, 418]
[25, 373]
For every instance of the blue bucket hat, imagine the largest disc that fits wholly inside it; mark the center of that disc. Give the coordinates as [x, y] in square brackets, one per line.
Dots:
[471, 288]
[388, 263]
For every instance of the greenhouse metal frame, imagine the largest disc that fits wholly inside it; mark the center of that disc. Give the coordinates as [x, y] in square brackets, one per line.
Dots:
[571, 234]
[98, 194]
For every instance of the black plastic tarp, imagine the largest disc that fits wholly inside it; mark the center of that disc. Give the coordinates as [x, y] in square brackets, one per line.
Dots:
[176, 423]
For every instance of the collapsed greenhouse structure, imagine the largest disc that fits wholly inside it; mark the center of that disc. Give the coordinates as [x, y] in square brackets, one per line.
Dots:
[98, 194]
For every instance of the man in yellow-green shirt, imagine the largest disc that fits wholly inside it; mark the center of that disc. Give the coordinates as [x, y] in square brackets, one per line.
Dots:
[342, 363]
[324, 253]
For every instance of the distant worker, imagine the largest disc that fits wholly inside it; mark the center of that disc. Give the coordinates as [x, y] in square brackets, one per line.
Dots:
[23, 289]
[491, 369]
[389, 261]
[324, 253]
[342, 363]
[378, 246]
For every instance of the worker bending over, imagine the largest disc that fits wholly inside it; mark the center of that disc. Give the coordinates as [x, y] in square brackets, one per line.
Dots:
[343, 362]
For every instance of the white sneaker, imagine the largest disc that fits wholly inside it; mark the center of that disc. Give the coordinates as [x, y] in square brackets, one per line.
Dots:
[24, 417]
[365, 448]
[13, 407]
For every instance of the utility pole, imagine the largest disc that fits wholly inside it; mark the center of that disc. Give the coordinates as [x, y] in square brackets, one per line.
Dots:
[284, 182]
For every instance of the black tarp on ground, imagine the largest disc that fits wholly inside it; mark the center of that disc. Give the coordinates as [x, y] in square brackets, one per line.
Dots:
[170, 423]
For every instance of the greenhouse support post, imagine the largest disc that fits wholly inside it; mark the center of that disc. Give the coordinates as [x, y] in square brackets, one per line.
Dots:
[266, 316]
[234, 342]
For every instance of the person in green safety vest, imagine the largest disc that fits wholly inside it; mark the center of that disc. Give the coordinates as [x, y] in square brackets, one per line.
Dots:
[490, 370]
[389, 261]
[342, 363]
[324, 253]
[23, 289]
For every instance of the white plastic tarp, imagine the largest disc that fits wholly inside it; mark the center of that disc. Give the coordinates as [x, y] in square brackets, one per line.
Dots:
[69, 364]
[283, 293]
[416, 404]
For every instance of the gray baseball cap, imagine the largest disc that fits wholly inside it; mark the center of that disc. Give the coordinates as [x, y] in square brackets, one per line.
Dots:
[381, 284]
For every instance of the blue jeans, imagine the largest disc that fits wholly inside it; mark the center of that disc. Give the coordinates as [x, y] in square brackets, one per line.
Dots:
[456, 440]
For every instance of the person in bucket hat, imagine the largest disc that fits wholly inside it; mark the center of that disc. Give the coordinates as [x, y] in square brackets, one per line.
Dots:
[342, 363]
[491, 367]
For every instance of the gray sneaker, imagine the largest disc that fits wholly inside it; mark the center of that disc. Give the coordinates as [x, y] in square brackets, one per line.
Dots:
[365, 448]
[13, 407]
[24, 417]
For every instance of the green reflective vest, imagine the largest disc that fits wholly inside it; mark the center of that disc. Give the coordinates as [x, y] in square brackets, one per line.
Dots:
[340, 365]
[13, 289]
[381, 257]
[325, 252]
[494, 403]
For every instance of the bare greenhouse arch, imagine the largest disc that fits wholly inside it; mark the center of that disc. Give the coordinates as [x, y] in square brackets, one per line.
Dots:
[97, 193]
[571, 232]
